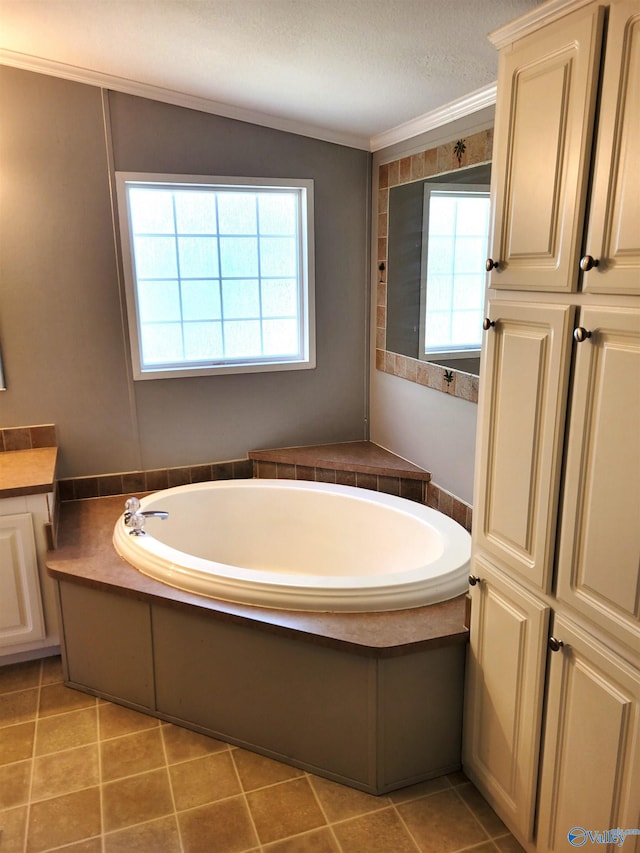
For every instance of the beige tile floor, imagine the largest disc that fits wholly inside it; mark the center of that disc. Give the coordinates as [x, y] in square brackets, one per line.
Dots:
[81, 774]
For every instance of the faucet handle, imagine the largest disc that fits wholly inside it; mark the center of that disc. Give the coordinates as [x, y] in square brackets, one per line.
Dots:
[132, 505]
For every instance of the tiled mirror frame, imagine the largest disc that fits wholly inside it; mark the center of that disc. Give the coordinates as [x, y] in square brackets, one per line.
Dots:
[416, 167]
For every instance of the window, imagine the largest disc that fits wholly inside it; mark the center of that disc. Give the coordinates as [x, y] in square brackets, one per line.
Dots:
[456, 220]
[218, 274]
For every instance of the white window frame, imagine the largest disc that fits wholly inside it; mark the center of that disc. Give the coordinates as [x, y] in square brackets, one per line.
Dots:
[427, 352]
[305, 359]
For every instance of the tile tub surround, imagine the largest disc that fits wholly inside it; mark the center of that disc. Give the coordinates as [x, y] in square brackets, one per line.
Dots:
[81, 774]
[362, 464]
[103, 485]
[423, 164]
[352, 463]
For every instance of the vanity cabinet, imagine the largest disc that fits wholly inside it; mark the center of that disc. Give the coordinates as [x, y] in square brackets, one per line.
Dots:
[21, 619]
[552, 725]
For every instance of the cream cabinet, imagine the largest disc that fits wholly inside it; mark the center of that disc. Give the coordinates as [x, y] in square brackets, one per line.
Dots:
[590, 776]
[611, 260]
[520, 436]
[505, 680]
[557, 488]
[547, 85]
[21, 619]
[28, 613]
[599, 544]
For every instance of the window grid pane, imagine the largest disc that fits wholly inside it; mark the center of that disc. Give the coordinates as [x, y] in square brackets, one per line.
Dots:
[458, 235]
[232, 269]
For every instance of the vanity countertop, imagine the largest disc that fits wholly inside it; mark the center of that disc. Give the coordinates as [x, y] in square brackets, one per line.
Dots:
[27, 472]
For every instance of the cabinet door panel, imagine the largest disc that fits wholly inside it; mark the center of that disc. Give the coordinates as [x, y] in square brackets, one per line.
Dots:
[599, 550]
[591, 759]
[613, 235]
[547, 87]
[503, 698]
[21, 618]
[520, 434]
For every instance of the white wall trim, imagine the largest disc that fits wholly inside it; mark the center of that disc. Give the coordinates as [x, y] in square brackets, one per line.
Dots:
[478, 100]
[546, 13]
[179, 99]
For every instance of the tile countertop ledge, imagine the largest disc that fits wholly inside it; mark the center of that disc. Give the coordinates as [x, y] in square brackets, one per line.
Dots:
[361, 456]
[27, 472]
[85, 555]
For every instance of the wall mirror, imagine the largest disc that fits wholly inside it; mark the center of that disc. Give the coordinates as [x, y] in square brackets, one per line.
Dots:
[438, 236]
[421, 313]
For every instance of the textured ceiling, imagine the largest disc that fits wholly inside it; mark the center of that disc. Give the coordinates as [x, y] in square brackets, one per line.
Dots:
[354, 68]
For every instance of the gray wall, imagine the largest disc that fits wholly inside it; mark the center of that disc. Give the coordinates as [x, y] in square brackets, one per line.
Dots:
[61, 317]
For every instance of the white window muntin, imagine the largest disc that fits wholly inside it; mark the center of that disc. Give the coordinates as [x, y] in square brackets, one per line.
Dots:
[461, 318]
[301, 355]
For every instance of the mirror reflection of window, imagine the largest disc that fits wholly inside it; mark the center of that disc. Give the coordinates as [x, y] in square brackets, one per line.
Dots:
[456, 224]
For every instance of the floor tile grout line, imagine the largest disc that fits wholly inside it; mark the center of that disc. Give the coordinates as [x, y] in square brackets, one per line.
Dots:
[246, 800]
[103, 840]
[406, 826]
[322, 809]
[475, 817]
[33, 761]
[173, 798]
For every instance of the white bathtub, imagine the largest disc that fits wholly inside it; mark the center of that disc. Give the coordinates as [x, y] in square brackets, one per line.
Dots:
[298, 545]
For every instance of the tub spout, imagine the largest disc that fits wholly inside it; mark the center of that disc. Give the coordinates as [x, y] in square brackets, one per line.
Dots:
[156, 513]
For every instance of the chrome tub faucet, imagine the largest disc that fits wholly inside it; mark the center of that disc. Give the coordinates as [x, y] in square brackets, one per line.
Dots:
[135, 519]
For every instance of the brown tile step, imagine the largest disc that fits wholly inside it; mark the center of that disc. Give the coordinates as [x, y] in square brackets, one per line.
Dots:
[360, 456]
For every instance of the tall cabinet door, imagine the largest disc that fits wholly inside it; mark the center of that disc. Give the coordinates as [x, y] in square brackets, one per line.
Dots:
[613, 237]
[591, 759]
[547, 85]
[520, 435]
[503, 697]
[599, 543]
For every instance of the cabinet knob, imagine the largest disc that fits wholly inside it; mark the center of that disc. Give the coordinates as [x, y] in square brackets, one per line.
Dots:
[588, 263]
[491, 265]
[581, 334]
[474, 580]
[487, 324]
[554, 644]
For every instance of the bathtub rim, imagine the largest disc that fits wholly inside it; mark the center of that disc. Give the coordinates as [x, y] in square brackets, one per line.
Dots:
[348, 594]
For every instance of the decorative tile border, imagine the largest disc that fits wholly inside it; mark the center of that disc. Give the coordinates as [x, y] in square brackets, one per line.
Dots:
[100, 486]
[402, 486]
[424, 164]
[416, 490]
[450, 505]
[28, 437]
[79, 488]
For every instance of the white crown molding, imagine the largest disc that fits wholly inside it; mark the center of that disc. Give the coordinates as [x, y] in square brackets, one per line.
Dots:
[179, 99]
[546, 13]
[478, 100]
